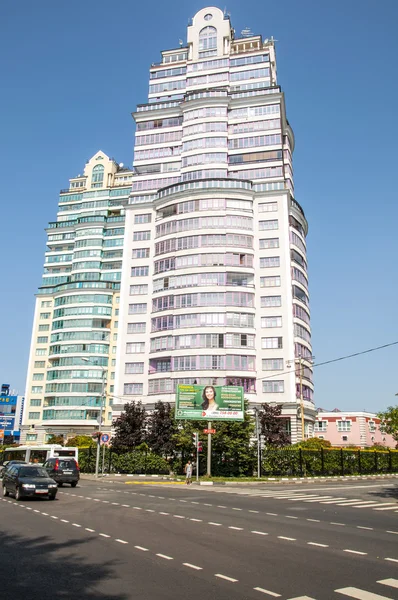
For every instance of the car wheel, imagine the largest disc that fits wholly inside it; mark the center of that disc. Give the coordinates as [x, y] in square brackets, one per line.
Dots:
[18, 495]
[60, 484]
[5, 492]
[74, 484]
[51, 497]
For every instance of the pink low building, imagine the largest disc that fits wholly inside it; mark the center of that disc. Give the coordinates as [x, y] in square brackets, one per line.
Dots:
[351, 429]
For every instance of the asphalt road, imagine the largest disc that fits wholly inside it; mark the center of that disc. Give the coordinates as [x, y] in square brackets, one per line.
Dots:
[152, 541]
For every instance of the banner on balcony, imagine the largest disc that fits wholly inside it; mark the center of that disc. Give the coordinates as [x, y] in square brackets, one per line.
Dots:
[210, 403]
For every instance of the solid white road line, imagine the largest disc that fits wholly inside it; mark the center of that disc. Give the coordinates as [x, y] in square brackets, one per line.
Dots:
[225, 577]
[193, 566]
[263, 591]
[353, 592]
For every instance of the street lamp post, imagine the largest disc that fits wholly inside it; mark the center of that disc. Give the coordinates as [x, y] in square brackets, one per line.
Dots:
[97, 459]
[258, 444]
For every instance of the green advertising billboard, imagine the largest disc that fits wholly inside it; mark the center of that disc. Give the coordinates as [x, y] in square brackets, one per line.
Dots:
[209, 403]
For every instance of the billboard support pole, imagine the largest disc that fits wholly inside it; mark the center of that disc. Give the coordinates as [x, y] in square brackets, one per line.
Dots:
[209, 450]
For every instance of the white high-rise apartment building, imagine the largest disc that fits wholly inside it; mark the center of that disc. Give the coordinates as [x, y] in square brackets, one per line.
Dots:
[214, 279]
[73, 348]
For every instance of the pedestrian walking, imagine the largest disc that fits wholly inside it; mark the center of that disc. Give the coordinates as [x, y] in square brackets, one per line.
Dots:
[188, 472]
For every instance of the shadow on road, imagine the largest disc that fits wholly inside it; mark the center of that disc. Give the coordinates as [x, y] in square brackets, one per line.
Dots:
[41, 568]
[390, 492]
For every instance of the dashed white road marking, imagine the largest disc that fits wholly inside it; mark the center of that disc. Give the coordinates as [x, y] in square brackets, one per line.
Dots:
[193, 566]
[259, 532]
[395, 532]
[302, 598]
[215, 524]
[165, 556]
[282, 537]
[141, 548]
[353, 592]
[236, 528]
[314, 520]
[64, 521]
[369, 528]
[105, 535]
[162, 513]
[197, 520]
[137, 507]
[225, 577]
[54, 517]
[115, 503]
[149, 510]
[221, 506]
[126, 505]
[290, 517]
[272, 514]
[178, 516]
[237, 509]
[121, 541]
[391, 582]
[90, 530]
[339, 524]
[76, 525]
[268, 592]
[254, 511]
[355, 552]
[392, 559]
[316, 544]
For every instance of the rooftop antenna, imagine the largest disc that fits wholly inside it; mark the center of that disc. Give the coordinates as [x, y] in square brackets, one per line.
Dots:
[246, 32]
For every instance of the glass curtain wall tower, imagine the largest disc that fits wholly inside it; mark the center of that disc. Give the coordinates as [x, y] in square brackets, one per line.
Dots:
[214, 280]
[73, 347]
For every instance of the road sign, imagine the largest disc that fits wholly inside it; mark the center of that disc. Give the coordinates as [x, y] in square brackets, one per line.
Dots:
[104, 438]
[209, 431]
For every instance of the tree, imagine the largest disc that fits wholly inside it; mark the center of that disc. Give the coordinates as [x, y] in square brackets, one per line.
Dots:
[272, 426]
[313, 444]
[56, 439]
[130, 427]
[161, 428]
[389, 421]
[81, 441]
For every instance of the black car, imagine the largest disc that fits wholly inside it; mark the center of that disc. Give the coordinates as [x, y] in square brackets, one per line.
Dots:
[9, 463]
[28, 480]
[63, 470]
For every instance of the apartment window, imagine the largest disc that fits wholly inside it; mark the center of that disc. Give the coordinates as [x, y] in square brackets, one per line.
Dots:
[272, 364]
[345, 438]
[39, 364]
[34, 415]
[135, 347]
[372, 426]
[45, 303]
[97, 177]
[344, 425]
[38, 376]
[207, 41]
[141, 236]
[137, 308]
[320, 426]
[140, 253]
[268, 207]
[270, 301]
[37, 389]
[138, 290]
[136, 327]
[270, 224]
[45, 315]
[133, 388]
[270, 281]
[270, 261]
[139, 271]
[41, 352]
[44, 327]
[271, 322]
[271, 343]
[135, 367]
[268, 243]
[273, 387]
[35, 402]
[139, 219]
[31, 437]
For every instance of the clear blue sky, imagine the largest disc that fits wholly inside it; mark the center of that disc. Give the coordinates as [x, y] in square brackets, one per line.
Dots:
[71, 74]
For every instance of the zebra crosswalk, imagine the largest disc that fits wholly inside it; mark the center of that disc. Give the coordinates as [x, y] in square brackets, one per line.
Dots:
[297, 496]
[362, 594]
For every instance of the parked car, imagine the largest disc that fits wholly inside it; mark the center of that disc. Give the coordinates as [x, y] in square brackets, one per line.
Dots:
[23, 480]
[63, 470]
[9, 463]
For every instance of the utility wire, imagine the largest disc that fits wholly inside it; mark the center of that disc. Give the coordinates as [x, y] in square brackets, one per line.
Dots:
[333, 360]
